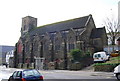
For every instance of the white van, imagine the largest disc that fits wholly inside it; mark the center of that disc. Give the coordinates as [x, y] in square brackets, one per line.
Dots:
[100, 57]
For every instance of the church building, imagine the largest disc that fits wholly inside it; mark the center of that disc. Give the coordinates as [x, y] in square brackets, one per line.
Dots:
[53, 42]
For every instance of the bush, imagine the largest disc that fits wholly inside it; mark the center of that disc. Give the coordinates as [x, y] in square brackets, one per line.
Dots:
[76, 54]
[87, 53]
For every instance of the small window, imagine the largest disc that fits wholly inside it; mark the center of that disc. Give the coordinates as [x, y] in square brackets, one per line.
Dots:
[18, 74]
[25, 28]
[66, 31]
[14, 74]
[57, 47]
[97, 56]
[71, 46]
[53, 33]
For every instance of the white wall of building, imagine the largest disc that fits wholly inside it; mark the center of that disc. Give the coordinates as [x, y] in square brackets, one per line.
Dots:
[8, 55]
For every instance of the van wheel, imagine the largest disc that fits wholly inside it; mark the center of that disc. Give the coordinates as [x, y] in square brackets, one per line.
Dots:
[108, 59]
[118, 76]
[104, 61]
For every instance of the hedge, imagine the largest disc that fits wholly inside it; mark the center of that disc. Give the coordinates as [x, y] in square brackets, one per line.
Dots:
[106, 67]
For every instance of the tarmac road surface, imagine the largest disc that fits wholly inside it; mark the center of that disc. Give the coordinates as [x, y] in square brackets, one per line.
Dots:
[64, 75]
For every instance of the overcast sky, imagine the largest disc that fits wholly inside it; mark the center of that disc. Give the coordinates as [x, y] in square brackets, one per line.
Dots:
[49, 11]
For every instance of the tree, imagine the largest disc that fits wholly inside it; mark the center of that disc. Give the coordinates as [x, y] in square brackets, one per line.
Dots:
[113, 29]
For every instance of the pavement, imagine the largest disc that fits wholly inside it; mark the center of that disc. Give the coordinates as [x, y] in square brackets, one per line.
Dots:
[80, 72]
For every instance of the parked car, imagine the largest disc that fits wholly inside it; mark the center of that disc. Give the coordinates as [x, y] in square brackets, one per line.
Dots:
[115, 53]
[26, 75]
[100, 57]
[117, 72]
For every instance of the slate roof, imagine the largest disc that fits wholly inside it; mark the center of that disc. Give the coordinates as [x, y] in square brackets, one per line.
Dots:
[7, 48]
[97, 32]
[4, 49]
[60, 26]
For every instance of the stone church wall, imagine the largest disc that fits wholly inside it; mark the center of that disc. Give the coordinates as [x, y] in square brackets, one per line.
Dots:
[53, 47]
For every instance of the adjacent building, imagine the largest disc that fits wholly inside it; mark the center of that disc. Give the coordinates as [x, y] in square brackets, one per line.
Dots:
[3, 50]
[9, 58]
[53, 42]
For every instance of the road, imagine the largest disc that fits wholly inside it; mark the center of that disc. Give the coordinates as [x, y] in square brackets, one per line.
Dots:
[64, 75]
[61, 74]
